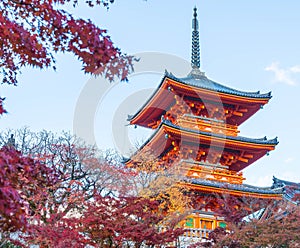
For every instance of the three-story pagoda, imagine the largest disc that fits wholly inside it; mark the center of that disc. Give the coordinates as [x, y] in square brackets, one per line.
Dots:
[196, 124]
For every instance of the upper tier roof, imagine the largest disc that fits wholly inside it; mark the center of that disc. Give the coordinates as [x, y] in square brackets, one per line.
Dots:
[197, 86]
[197, 79]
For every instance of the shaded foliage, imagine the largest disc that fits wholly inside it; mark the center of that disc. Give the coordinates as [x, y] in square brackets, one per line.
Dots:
[276, 231]
[82, 170]
[235, 209]
[32, 30]
[2, 110]
[92, 202]
[276, 224]
[106, 222]
[23, 181]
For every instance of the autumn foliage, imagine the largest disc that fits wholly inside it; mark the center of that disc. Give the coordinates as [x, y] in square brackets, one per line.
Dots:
[22, 184]
[60, 192]
[106, 222]
[32, 30]
[132, 220]
[279, 230]
[254, 223]
[2, 110]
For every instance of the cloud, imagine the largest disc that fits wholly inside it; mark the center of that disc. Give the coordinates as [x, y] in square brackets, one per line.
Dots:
[289, 160]
[295, 68]
[282, 75]
[289, 176]
[264, 181]
[267, 180]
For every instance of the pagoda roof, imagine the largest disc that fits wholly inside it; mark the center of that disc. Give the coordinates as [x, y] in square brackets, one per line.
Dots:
[289, 189]
[234, 189]
[197, 86]
[262, 141]
[201, 81]
[259, 147]
[282, 183]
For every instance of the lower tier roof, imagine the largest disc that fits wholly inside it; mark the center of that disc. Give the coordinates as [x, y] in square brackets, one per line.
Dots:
[280, 189]
[233, 189]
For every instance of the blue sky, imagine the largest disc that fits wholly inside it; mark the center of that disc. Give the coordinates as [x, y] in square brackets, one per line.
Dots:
[253, 45]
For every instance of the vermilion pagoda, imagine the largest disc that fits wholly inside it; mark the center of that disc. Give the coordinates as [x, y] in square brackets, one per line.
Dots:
[196, 124]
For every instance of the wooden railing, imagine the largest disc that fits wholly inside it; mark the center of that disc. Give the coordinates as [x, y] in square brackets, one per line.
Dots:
[207, 125]
[193, 232]
[217, 173]
[196, 233]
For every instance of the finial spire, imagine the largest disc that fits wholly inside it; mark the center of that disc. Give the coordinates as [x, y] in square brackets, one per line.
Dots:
[195, 60]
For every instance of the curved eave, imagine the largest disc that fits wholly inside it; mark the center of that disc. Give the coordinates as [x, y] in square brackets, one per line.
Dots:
[155, 135]
[291, 190]
[161, 99]
[158, 143]
[233, 189]
[203, 82]
[218, 94]
[212, 189]
[280, 183]
[238, 140]
[133, 119]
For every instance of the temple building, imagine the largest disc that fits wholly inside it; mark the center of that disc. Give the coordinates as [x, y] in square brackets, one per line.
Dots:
[196, 127]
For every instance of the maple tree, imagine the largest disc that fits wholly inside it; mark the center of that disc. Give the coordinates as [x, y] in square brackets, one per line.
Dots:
[107, 222]
[2, 110]
[135, 220]
[279, 230]
[150, 179]
[93, 200]
[235, 209]
[22, 181]
[80, 172]
[255, 223]
[32, 31]
[90, 186]
[81, 168]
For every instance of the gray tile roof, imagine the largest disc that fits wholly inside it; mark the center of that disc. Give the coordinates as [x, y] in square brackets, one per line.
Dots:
[201, 81]
[237, 187]
[289, 189]
[263, 140]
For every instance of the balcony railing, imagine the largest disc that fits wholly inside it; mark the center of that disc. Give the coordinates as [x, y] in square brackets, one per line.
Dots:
[207, 125]
[207, 171]
[196, 233]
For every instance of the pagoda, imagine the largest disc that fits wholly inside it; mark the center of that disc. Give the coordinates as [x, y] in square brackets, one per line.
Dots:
[196, 127]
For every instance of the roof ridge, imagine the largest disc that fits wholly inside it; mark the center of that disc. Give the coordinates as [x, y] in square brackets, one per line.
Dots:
[273, 141]
[201, 81]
